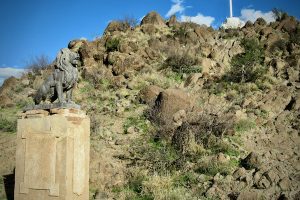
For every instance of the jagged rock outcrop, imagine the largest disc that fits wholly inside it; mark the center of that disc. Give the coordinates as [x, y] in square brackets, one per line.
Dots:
[153, 18]
[116, 26]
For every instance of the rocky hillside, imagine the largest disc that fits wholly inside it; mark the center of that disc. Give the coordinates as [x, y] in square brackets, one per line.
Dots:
[182, 111]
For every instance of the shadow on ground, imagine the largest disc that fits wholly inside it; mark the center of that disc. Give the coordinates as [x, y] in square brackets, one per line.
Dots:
[9, 185]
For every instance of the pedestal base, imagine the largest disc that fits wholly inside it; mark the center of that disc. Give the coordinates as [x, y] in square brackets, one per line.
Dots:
[52, 158]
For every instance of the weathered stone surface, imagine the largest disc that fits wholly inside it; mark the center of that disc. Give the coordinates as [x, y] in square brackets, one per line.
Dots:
[5, 101]
[52, 157]
[122, 62]
[149, 94]
[171, 101]
[116, 26]
[192, 79]
[153, 18]
[8, 84]
[52, 106]
[172, 21]
[249, 195]
[253, 160]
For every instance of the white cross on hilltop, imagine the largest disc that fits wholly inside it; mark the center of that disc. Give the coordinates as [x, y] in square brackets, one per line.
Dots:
[230, 5]
[232, 22]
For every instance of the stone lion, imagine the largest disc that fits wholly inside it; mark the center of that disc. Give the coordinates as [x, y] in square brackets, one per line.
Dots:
[62, 80]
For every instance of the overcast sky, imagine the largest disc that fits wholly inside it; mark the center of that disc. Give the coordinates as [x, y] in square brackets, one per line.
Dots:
[30, 28]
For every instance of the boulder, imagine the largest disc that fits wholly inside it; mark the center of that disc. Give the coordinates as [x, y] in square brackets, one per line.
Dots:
[248, 24]
[171, 101]
[116, 26]
[260, 22]
[289, 25]
[153, 18]
[192, 79]
[285, 184]
[149, 94]
[179, 117]
[172, 21]
[76, 44]
[205, 33]
[149, 29]
[276, 101]
[5, 101]
[250, 195]
[253, 160]
[91, 54]
[8, 84]
[38, 81]
[121, 62]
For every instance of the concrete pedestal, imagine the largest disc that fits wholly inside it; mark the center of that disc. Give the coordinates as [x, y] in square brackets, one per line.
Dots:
[52, 157]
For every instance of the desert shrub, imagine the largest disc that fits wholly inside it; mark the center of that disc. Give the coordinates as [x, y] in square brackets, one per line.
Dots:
[155, 154]
[139, 122]
[22, 103]
[112, 44]
[182, 63]
[247, 66]
[212, 168]
[244, 125]
[177, 77]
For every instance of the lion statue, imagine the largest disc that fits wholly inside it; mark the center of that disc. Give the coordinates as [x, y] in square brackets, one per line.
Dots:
[62, 80]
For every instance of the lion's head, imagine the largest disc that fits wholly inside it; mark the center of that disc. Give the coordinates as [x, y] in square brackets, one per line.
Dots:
[66, 59]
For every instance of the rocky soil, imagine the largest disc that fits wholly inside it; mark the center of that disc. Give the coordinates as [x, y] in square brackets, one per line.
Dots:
[170, 119]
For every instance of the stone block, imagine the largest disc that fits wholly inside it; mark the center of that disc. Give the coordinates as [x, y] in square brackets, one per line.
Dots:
[52, 156]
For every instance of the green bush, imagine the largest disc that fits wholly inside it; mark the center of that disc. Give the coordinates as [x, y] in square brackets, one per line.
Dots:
[112, 44]
[244, 125]
[182, 63]
[7, 125]
[247, 66]
[138, 122]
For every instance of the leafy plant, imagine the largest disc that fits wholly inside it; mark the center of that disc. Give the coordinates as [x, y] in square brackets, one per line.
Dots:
[7, 125]
[112, 44]
[182, 63]
[247, 66]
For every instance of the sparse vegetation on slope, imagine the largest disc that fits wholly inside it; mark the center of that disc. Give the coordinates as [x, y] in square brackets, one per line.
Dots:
[177, 108]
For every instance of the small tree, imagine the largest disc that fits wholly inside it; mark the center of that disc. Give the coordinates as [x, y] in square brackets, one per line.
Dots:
[38, 63]
[279, 14]
[182, 63]
[247, 66]
[112, 44]
[130, 21]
